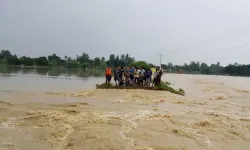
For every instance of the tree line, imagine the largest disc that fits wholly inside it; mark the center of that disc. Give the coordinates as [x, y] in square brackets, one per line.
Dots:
[213, 69]
[80, 61]
[84, 61]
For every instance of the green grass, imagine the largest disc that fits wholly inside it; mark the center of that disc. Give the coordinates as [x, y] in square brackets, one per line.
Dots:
[166, 87]
[105, 86]
[168, 83]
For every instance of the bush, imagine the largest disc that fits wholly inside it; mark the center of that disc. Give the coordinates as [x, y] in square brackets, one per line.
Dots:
[168, 83]
[182, 91]
[140, 64]
[166, 87]
[105, 86]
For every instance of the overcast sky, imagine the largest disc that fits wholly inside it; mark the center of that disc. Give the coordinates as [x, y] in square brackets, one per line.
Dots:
[183, 30]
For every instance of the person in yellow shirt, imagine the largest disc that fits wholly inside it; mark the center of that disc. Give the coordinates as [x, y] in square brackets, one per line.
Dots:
[137, 75]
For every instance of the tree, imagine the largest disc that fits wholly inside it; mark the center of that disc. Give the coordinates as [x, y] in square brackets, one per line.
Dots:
[123, 57]
[216, 68]
[5, 54]
[140, 64]
[4, 61]
[83, 61]
[83, 58]
[236, 64]
[54, 60]
[9, 59]
[102, 59]
[97, 62]
[111, 60]
[103, 64]
[73, 64]
[128, 59]
[26, 61]
[205, 69]
[170, 66]
[122, 61]
[151, 65]
[84, 65]
[192, 66]
[53, 63]
[69, 59]
[41, 61]
[13, 60]
[164, 66]
[117, 61]
[91, 63]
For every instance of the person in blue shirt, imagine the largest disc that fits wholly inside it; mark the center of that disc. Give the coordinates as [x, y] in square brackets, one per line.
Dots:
[121, 75]
[151, 73]
[131, 74]
[148, 76]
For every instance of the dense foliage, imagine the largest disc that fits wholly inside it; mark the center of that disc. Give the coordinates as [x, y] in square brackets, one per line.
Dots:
[84, 61]
[80, 61]
[216, 69]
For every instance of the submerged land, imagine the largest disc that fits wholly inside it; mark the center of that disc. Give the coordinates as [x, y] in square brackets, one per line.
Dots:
[213, 114]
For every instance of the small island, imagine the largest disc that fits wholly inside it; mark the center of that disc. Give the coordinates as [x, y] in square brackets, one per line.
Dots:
[164, 86]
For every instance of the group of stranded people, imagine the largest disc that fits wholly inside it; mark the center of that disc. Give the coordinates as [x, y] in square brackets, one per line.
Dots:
[141, 76]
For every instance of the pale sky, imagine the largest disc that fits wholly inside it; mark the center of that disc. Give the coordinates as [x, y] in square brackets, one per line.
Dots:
[183, 30]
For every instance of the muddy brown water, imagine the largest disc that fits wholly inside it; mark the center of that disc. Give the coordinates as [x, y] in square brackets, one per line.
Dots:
[61, 114]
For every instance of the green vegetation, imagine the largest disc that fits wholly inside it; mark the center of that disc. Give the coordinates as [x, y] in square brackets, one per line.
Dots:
[105, 86]
[80, 61]
[166, 87]
[215, 69]
[141, 64]
[168, 83]
[162, 87]
[84, 61]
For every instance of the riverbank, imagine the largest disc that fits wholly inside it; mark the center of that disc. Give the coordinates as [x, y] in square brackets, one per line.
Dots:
[212, 115]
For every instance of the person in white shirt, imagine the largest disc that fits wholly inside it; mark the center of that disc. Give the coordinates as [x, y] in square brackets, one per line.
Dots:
[155, 76]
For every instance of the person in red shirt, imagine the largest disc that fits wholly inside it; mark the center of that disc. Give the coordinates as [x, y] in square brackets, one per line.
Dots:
[108, 74]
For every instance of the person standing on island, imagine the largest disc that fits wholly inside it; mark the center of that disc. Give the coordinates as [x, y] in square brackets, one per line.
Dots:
[148, 75]
[132, 74]
[155, 77]
[151, 73]
[121, 74]
[116, 76]
[159, 75]
[108, 74]
[137, 75]
[143, 71]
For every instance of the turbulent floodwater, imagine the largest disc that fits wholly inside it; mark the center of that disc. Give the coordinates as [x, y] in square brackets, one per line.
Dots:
[213, 115]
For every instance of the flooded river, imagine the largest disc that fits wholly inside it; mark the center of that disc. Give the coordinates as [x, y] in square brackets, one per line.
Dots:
[63, 111]
[43, 80]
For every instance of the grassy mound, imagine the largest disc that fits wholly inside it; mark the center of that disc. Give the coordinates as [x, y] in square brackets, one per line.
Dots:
[162, 87]
[105, 86]
[168, 83]
[166, 87]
